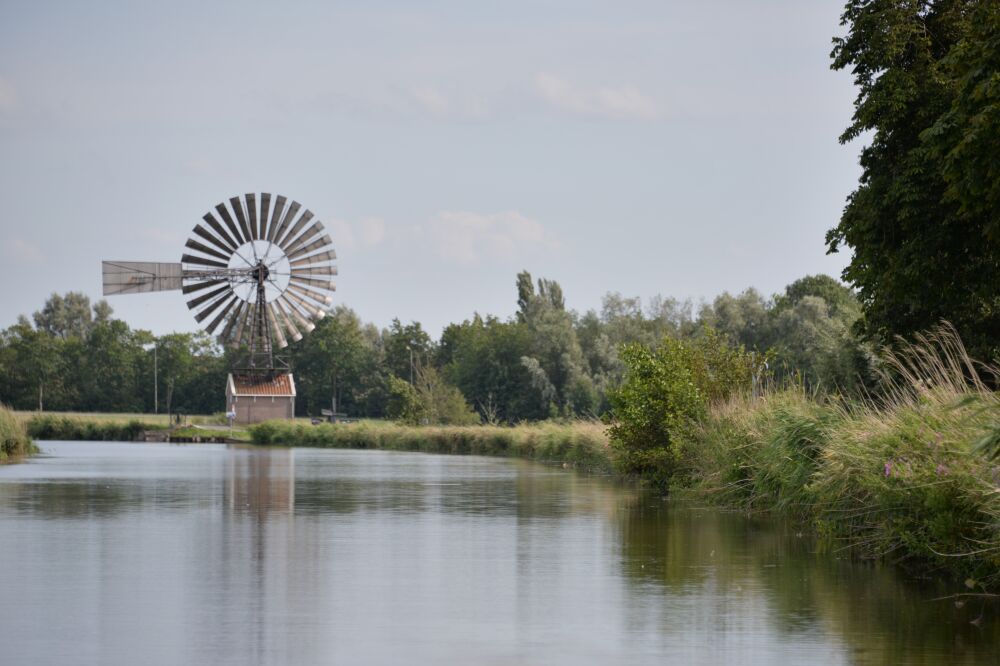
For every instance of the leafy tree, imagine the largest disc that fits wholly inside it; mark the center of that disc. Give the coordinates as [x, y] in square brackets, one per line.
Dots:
[744, 319]
[430, 400]
[485, 364]
[32, 364]
[555, 365]
[406, 347]
[339, 359]
[664, 390]
[69, 315]
[922, 222]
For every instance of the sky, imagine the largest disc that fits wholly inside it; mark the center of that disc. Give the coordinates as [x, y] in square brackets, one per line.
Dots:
[664, 147]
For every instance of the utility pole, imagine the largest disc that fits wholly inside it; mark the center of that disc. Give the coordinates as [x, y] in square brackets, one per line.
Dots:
[156, 381]
[411, 363]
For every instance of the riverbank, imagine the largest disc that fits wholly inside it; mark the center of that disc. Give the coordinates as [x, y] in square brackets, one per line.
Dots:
[15, 443]
[912, 478]
[583, 444]
[96, 427]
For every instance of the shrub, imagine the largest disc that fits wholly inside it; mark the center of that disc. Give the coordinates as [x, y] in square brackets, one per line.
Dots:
[14, 439]
[666, 390]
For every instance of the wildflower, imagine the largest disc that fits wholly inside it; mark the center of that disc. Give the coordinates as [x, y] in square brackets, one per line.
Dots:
[888, 467]
[941, 469]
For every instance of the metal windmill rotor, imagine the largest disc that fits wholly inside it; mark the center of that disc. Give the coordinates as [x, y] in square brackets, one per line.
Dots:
[259, 271]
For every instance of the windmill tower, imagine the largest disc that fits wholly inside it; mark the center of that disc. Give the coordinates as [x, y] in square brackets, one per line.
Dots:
[259, 272]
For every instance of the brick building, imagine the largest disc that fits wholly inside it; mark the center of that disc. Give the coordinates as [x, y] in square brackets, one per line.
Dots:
[257, 396]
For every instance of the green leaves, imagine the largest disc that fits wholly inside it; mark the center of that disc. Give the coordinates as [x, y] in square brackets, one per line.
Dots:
[923, 222]
[665, 390]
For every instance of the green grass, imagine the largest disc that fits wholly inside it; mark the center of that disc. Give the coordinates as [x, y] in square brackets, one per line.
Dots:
[14, 440]
[154, 421]
[66, 427]
[582, 444]
[904, 479]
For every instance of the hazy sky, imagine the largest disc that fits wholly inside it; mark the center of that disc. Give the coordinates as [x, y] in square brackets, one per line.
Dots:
[681, 148]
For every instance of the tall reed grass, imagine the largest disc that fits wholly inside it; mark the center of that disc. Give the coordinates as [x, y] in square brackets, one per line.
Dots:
[582, 444]
[14, 440]
[908, 476]
[48, 426]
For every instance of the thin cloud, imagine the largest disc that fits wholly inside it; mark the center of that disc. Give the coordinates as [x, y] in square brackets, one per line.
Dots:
[8, 96]
[350, 236]
[622, 103]
[431, 100]
[468, 237]
[21, 251]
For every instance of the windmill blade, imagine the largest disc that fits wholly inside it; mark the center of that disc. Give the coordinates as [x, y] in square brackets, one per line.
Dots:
[302, 322]
[317, 244]
[319, 257]
[296, 228]
[195, 302]
[313, 234]
[210, 309]
[241, 326]
[308, 292]
[293, 208]
[227, 331]
[265, 207]
[222, 315]
[134, 277]
[228, 219]
[279, 207]
[198, 286]
[319, 270]
[211, 238]
[217, 228]
[204, 249]
[251, 200]
[241, 216]
[283, 316]
[201, 261]
[307, 307]
[322, 284]
[272, 319]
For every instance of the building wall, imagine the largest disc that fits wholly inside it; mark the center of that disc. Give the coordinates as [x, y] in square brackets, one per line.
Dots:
[254, 409]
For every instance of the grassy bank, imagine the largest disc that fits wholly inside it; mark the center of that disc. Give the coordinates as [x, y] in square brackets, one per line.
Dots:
[67, 427]
[907, 478]
[583, 444]
[14, 440]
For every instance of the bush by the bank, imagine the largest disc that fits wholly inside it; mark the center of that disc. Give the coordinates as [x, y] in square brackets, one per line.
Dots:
[14, 439]
[667, 388]
[908, 479]
[48, 426]
[583, 444]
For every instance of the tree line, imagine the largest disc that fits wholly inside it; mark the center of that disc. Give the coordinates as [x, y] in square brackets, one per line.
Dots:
[545, 361]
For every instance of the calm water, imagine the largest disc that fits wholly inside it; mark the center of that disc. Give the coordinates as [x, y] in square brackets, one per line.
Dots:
[114, 553]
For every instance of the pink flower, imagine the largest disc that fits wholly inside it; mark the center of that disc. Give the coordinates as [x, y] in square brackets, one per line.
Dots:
[888, 468]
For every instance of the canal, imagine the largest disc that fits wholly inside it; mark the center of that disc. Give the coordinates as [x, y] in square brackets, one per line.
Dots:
[121, 553]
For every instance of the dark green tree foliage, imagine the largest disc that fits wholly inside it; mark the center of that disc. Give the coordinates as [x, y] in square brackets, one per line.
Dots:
[555, 364]
[922, 223]
[544, 361]
[484, 362]
[340, 357]
[406, 347]
[72, 361]
[430, 400]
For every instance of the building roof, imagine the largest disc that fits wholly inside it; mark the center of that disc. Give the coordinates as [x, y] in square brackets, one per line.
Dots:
[268, 384]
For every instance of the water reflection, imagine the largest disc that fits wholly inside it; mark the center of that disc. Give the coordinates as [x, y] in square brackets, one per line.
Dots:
[208, 554]
[881, 616]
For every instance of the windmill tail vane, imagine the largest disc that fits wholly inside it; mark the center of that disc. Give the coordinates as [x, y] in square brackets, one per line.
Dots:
[258, 271]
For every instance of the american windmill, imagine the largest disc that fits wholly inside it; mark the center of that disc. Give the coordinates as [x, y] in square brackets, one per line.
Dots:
[258, 272]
